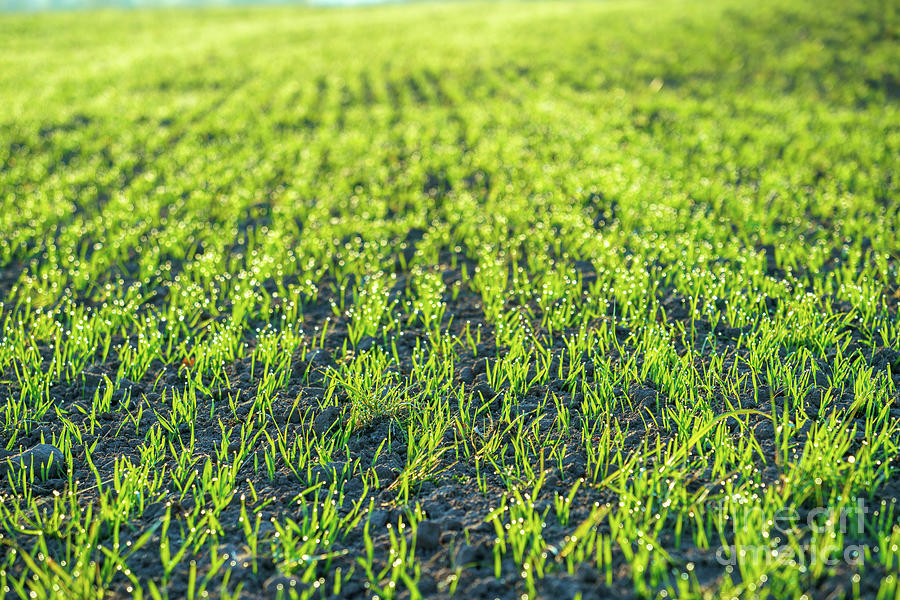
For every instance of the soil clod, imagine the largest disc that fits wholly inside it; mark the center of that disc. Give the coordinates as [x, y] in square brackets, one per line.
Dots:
[45, 460]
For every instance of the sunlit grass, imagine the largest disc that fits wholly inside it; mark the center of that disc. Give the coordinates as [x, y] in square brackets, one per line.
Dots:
[617, 281]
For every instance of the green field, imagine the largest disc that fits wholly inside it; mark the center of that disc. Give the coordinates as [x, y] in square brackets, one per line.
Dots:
[475, 300]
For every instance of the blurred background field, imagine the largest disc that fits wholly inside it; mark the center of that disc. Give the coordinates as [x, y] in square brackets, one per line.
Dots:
[50, 5]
